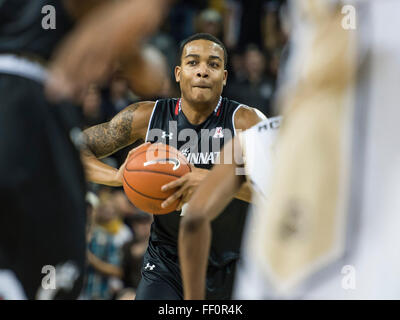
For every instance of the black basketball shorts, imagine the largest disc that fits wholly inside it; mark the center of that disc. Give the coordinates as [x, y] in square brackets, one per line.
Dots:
[161, 277]
[42, 191]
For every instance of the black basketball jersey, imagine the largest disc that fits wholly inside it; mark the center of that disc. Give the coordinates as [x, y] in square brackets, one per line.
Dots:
[201, 144]
[21, 28]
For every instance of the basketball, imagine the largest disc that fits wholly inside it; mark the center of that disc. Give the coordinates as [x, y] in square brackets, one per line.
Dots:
[147, 170]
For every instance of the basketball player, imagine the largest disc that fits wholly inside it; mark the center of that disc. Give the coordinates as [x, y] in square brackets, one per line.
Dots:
[254, 148]
[42, 186]
[182, 123]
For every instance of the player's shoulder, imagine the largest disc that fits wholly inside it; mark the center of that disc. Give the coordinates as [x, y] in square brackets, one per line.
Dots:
[140, 106]
[245, 116]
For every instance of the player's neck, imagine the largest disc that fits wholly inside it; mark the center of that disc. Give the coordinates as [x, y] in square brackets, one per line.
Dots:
[197, 113]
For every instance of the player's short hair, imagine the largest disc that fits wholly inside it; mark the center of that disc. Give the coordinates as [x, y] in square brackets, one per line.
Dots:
[203, 36]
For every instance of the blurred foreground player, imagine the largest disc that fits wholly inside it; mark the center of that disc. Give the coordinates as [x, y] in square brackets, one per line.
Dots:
[42, 186]
[330, 229]
[253, 149]
[198, 124]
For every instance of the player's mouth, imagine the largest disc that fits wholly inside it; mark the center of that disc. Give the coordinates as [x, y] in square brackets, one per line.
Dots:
[202, 87]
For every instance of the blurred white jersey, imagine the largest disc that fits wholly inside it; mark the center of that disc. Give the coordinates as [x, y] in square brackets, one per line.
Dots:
[329, 228]
[258, 148]
[258, 145]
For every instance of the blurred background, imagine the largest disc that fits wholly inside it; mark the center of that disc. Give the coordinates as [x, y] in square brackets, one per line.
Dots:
[255, 36]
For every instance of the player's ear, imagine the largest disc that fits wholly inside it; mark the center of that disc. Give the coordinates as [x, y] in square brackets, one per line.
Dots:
[178, 73]
[225, 77]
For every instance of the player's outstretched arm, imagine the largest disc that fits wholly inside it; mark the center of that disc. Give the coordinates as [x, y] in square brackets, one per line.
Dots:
[104, 139]
[107, 34]
[245, 118]
[208, 201]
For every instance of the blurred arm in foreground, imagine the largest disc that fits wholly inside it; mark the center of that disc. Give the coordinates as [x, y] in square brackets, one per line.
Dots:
[108, 37]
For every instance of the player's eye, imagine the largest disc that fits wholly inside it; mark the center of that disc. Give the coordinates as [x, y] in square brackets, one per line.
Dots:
[192, 62]
[214, 64]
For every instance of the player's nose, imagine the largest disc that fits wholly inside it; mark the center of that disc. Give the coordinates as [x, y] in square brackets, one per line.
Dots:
[202, 71]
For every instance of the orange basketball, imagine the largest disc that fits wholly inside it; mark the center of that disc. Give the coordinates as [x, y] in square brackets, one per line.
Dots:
[147, 170]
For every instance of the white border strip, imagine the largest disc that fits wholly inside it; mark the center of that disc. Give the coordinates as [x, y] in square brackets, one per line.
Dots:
[12, 64]
[151, 118]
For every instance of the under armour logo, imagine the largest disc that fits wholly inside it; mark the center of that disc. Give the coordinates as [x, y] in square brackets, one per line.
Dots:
[165, 135]
[149, 267]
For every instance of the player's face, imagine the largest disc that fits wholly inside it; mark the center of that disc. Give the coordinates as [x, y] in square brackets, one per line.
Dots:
[201, 74]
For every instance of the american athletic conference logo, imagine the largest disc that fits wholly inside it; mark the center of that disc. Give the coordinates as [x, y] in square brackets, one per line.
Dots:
[219, 133]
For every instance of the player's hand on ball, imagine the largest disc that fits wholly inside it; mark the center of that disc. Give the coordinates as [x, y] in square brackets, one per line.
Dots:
[187, 184]
[120, 173]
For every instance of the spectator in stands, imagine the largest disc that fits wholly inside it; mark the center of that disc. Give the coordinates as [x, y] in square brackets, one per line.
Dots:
[105, 254]
[181, 18]
[116, 97]
[92, 203]
[258, 87]
[274, 35]
[209, 21]
[91, 107]
[104, 259]
[236, 67]
[135, 249]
